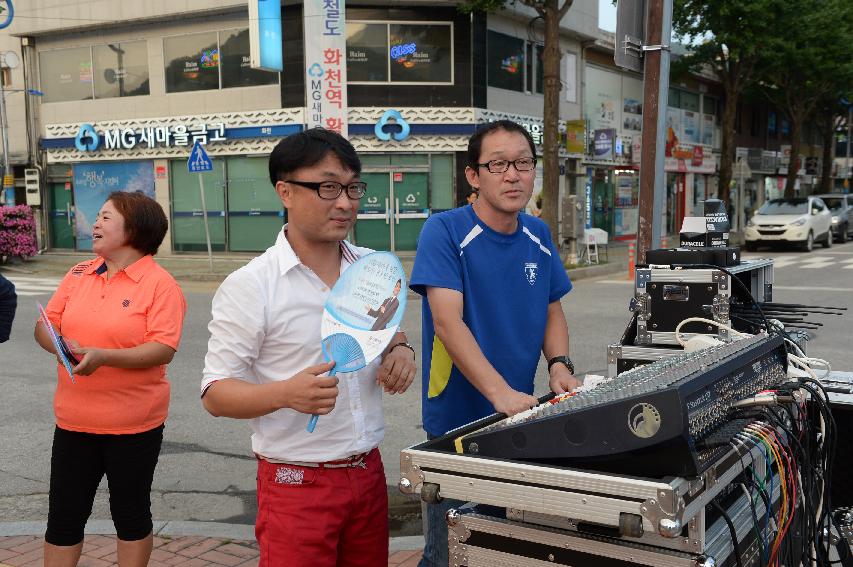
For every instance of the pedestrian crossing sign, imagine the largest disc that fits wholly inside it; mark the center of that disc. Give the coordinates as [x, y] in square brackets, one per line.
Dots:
[199, 161]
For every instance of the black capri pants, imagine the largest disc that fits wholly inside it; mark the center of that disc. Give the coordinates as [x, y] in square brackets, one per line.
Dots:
[77, 464]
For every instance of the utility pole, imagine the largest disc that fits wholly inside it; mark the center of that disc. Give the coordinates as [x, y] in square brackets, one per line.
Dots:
[8, 60]
[849, 132]
[655, 97]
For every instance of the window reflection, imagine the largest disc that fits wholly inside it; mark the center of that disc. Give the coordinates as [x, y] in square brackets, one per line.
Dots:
[121, 69]
[367, 52]
[506, 62]
[66, 74]
[192, 62]
[236, 69]
[420, 53]
[399, 53]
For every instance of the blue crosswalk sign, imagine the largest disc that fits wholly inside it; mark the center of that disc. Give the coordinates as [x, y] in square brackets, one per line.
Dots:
[199, 161]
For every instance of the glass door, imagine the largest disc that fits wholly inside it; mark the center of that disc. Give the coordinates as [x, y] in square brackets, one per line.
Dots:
[410, 194]
[255, 212]
[187, 216]
[61, 214]
[373, 226]
[393, 210]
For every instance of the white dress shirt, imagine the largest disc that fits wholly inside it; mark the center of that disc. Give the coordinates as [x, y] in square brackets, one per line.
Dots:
[266, 328]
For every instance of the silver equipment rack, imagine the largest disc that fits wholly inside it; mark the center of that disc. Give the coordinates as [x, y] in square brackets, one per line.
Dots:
[665, 513]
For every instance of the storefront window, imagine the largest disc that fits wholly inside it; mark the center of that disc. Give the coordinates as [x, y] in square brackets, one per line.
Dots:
[689, 101]
[420, 53]
[367, 45]
[625, 213]
[540, 72]
[192, 62]
[399, 53]
[674, 98]
[121, 69]
[505, 62]
[236, 69]
[66, 74]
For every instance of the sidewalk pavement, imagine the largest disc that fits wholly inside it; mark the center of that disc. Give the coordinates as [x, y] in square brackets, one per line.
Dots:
[185, 544]
[199, 268]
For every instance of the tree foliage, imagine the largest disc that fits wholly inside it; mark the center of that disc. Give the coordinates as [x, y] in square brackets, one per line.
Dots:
[729, 37]
[551, 12]
[809, 67]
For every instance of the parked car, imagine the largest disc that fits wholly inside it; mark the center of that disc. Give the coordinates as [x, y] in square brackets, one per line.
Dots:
[841, 208]
[801, 221]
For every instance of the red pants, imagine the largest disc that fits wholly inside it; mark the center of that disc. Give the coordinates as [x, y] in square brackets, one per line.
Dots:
[322, 517]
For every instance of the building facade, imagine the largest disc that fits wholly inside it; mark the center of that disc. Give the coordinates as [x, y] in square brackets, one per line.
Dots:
[129, 89]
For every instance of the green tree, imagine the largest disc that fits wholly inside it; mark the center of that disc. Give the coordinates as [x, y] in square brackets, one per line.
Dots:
[809, 66]
[830, 115]
[552, 13]
[807, 63]
[728, 37]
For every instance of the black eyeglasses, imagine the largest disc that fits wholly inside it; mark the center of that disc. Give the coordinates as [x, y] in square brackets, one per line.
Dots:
[501, 165]
[331, 190]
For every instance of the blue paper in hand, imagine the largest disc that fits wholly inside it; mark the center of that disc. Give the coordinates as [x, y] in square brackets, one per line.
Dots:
[58, 343]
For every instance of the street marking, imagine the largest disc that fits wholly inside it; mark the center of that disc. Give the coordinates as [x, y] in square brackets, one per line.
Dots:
[817, 263]
[803, 288]
[784, 261]
[27, 286]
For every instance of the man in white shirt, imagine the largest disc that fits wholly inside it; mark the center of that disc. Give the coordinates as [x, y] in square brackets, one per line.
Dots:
[322, 497]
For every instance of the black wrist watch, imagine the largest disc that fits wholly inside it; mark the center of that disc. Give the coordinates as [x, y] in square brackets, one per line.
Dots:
[406, 345]
[564, 359]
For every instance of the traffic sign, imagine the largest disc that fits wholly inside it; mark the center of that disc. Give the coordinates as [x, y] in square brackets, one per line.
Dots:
[199, 161]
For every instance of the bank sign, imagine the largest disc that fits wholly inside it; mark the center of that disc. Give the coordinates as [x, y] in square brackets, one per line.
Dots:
[90, 139]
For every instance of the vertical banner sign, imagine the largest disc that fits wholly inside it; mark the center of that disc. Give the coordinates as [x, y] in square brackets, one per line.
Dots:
[590, 173]
[265, 48]
[326, 64]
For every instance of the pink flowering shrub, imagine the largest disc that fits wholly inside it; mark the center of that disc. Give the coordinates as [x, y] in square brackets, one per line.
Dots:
[17, 231]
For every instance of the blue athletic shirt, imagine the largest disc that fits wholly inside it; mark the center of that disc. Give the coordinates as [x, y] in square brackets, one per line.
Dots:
[507, 282]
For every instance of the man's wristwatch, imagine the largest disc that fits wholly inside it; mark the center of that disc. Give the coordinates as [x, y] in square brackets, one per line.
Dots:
[563, 359]
[406, 345]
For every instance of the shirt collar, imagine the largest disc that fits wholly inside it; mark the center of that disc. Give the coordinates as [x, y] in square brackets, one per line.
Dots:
[287, 258]
[134, 271]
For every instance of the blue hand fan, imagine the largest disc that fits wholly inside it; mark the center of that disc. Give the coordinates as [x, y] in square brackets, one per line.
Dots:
[345, 351]
[362, 313]
[348, 357]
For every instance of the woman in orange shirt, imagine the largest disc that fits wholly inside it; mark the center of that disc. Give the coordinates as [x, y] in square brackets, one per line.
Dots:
[121, 314]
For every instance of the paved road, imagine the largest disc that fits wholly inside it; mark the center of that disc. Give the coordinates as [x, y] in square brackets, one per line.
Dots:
[206, 471]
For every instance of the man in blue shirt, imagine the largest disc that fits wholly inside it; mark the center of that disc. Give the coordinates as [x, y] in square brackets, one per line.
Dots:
[492, 279]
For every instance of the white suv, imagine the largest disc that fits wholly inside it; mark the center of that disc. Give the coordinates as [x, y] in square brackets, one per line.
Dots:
[802, 221]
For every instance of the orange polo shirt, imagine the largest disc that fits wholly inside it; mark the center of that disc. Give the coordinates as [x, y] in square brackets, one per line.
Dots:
[139, 304]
